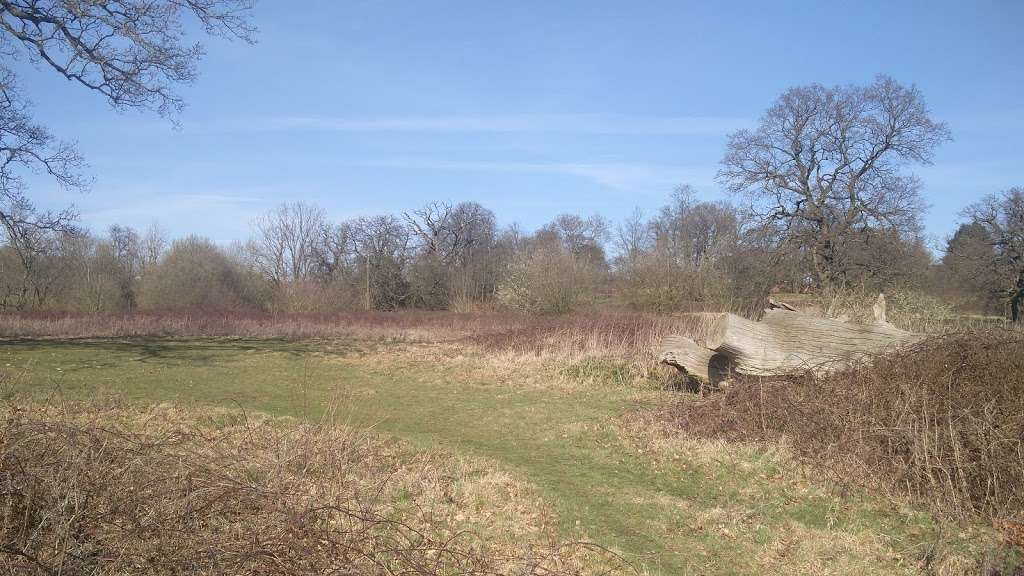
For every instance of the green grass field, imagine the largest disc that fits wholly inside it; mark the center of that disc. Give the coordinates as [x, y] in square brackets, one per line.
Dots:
[670, 505]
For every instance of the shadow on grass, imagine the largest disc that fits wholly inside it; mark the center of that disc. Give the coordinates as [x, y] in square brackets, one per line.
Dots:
[112, 352]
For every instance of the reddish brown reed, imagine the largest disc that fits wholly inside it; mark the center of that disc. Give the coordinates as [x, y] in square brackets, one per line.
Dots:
[627, 335]
[633, 336]
[409, 325]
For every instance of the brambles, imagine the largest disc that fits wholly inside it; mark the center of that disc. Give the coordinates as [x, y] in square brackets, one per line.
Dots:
[941, 422]
[115, 490]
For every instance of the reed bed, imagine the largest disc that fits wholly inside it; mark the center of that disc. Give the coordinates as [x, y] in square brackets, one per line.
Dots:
[404, 325]
[630, 336]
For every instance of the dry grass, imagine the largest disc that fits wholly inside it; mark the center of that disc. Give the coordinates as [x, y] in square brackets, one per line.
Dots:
[158, 491]
[629, 340]
[909, 310]
[617, 333]
[405, 325]
[847, 533]
[633, 336]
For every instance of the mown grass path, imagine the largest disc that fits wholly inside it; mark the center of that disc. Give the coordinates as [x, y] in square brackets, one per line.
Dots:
[727, 517]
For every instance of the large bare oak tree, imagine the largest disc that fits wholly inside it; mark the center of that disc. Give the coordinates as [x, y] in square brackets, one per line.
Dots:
[826, 164]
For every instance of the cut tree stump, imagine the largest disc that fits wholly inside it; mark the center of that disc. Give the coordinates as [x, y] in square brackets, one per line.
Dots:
[784, 341]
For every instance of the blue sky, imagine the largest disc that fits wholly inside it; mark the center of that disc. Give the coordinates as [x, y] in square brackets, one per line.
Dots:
[531, 108]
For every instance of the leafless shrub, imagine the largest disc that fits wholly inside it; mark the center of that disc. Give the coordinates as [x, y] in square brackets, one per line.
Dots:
[550, 280]
[196, 275]
[999, 271]
[942, 422]
[119, 491]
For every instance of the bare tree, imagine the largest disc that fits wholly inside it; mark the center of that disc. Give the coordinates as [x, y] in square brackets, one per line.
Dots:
[196, 275]
[381, 245]
[689, 232]
[126, 251]
[453, 244]
[333, 251]
[676, 260]
[30, 277]
[560, 267]
[154, 245]
[285, 245]
[633, 237]
[826, 164]
[451, 232]
[1000, 218]
[968, 272]
[476, 230]
[583, 238]
[132, 52]
[26, 147]
[431, 226]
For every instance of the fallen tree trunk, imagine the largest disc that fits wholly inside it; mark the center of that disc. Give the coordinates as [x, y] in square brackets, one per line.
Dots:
[784, 341]
[687, 356]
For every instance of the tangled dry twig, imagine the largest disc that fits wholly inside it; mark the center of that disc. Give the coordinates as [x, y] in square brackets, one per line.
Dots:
[120, 491]
[941, 421]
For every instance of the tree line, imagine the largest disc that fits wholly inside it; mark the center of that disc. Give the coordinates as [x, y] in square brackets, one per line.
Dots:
[688, 255]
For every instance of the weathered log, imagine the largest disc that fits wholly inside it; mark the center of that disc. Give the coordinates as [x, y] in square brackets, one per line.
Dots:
[784, 341]
[687, 356]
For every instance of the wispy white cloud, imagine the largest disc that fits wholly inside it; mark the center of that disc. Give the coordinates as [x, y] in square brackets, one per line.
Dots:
[639, 177]
[228, 214]
[546, 123]
[620, 176]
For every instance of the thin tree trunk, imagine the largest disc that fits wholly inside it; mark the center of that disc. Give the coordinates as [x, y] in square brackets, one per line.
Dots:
[1016, 297]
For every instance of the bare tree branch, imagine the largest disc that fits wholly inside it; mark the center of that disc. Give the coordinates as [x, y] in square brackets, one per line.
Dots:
[133, 52]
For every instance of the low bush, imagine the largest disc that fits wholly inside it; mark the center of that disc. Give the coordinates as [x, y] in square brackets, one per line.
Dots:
[550, 280]
[159, 491]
